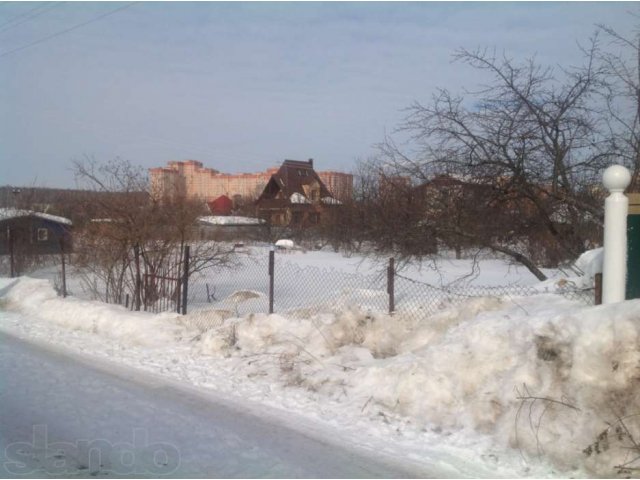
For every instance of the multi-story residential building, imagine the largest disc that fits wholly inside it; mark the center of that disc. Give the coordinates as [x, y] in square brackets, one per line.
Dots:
[338, 183]
[195, 181]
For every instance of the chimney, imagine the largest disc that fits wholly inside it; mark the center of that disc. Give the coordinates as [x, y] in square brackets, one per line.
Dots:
[311, 162]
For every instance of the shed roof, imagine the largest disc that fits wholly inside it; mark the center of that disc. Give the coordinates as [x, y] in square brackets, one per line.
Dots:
[9, 213]
[229, 220]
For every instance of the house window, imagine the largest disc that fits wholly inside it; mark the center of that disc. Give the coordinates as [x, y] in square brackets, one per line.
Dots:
[43, 234]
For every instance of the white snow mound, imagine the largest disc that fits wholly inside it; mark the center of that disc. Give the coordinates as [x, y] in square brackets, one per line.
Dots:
[38, 298]
[545, 376]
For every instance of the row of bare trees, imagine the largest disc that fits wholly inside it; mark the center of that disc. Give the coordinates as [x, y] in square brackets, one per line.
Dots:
[512, 166]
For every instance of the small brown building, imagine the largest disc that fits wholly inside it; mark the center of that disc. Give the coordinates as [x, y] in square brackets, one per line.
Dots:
[295, 196]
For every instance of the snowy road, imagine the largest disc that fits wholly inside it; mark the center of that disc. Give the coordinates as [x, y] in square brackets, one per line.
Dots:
[63, 417]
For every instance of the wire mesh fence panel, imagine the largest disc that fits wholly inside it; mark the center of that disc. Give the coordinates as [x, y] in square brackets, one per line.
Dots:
[308, 290]
[44, 267]
[418, 299]
[239, 289]
[217, 294]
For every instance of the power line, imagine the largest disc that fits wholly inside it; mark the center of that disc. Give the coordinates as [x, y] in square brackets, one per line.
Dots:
[30, 17]
[20, 15]
[62, 32]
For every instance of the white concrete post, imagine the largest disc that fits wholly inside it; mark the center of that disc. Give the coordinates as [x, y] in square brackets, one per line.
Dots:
[616, 207]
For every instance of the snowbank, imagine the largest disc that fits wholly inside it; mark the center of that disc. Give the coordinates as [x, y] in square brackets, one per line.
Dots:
[590, 262]
[38, 298]
[542, 377]
[285, 244]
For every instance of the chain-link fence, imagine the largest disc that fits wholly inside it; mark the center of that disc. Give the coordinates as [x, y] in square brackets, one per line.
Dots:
[46, 267]
[245, 288]
[416, 298]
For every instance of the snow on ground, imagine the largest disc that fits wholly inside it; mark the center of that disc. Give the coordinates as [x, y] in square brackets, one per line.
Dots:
[485, 270]
[318, 281]
[230, 220]
[533, 386]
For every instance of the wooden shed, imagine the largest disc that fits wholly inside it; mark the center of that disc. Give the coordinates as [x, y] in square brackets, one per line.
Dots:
[34, 233]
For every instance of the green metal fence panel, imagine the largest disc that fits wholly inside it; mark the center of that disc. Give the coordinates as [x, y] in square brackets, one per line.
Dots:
[633, 247]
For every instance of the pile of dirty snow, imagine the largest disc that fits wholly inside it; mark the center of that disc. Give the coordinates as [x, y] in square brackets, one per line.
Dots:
[543, 375]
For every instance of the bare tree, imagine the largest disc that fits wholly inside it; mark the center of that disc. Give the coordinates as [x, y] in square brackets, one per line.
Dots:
[621, 95]
[136, 234]
[527, 145]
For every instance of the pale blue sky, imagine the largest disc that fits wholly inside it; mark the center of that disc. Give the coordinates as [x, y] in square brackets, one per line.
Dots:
[241, 86]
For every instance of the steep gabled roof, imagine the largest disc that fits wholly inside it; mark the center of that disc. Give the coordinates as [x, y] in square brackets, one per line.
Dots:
[291, 179]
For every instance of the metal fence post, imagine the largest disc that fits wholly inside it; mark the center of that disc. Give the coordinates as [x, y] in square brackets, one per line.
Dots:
[145, 288]
[11, 253]
[64, 269]
[272, 254]
[138, 286]
[598, 289]
[185, 279]
[391, 285]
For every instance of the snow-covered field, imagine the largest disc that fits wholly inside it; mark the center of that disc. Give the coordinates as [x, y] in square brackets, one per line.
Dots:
[530, 386]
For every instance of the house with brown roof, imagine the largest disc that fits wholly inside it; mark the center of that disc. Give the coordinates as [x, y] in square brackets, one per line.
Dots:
[295, 196]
